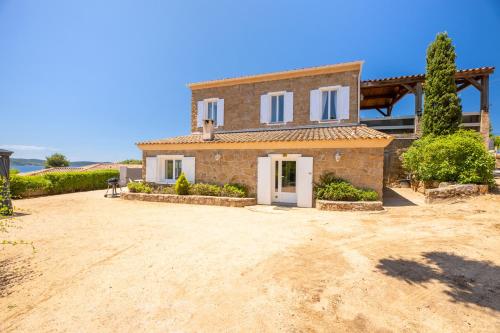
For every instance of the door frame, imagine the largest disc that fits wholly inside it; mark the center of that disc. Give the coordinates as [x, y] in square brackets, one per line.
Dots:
[282, 197]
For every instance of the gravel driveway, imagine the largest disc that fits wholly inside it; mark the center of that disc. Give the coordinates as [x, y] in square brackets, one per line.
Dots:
[110, 265]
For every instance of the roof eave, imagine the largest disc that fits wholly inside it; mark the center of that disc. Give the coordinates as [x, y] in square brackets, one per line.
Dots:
[328, 69]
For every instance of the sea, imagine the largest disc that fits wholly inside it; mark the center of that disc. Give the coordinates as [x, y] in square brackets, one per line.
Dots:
[26, 168]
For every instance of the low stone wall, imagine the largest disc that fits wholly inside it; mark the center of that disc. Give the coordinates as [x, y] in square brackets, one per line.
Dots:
[191, 199]
[349, 205]
[453, 192]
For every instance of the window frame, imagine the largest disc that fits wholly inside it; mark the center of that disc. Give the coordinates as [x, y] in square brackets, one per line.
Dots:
[276, 94]
[215, 102]
[329, 90]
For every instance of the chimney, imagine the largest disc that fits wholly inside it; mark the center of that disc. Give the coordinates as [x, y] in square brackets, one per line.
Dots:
[208, 130]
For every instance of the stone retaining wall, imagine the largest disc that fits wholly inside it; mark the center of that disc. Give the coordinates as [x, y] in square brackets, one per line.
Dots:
[191, 199]
[453, 192]
[349, 205]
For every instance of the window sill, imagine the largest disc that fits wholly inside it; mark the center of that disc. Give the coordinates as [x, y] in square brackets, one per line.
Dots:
[329, 121]
[276, 123]
[165, 182]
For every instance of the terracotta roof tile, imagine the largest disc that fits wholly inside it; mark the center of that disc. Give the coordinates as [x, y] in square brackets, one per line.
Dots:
[357, 132]
[478, 70]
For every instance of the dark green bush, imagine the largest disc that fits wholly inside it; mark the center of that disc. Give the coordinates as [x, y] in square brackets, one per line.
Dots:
[64, 182]
[168, 190]
[139, 188]
[205, 189]
[332, 188]
[234, 190]
[460, 157]
[182, 185]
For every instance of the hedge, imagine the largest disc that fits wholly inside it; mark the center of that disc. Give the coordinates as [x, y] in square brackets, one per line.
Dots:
[58, 183]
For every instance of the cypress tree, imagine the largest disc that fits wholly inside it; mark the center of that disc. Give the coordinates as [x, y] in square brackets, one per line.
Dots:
[442, 108]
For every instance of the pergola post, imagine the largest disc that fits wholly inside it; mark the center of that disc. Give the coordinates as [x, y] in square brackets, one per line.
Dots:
[418, 108]
[484, 127]
[4, 175]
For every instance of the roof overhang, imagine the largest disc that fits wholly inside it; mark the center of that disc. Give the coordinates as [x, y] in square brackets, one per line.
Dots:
[328, 69]
[347, 143]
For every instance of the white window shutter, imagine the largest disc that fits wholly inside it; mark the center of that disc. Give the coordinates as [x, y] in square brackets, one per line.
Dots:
[220, 112]
[304, 181]
[201, 113]
[265, 103]
[343, 103]
[188, 167]
[288, 107]
[264, 180]
[315, 105]
[151, 169]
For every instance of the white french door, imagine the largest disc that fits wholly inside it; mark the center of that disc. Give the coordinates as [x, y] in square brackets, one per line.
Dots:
[284, 180]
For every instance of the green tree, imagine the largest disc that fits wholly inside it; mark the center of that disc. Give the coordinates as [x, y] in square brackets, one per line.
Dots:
[56, 160]
[442, 108]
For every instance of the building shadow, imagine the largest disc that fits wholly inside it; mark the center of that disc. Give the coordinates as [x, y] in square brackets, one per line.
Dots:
[469, 281]
[394, 199]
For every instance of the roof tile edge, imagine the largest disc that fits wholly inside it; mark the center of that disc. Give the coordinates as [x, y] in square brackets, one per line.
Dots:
[334, 68]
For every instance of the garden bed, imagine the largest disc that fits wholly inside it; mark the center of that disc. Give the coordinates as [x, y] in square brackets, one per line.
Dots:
[454, 192]
[191, 199]
[349, 205]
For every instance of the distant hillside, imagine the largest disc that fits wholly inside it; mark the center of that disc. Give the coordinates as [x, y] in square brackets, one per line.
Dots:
[37, 162]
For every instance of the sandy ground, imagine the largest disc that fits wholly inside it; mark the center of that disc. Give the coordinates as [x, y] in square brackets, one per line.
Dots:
[109, 265]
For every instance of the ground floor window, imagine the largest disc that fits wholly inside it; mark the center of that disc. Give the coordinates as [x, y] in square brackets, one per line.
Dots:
[173, 169]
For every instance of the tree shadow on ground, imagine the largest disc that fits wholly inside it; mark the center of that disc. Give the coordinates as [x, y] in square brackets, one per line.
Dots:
[12, 273]
[469, 281]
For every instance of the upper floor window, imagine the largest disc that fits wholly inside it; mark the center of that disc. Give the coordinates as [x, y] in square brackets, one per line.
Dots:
[212, 111]
[277, 108]
[329, 104]
[211, 108]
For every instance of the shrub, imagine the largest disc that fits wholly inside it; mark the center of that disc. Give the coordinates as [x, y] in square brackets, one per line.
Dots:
[182, 185]
[460, 157]
[5, 204]
[64, 182]
[168, 190]
[13, 171]
[234, 190]
[21, 185]
[139, 188]
[205, 189]
[332, 188]
[67, 182]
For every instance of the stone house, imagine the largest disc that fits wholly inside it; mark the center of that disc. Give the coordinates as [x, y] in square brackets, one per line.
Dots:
[276, 133]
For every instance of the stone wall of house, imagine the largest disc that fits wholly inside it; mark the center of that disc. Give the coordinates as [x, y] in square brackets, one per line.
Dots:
[393, 165]
[363, 167]
[242, 101]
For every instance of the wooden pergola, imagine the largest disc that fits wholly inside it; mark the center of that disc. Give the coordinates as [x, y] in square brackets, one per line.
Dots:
[383, 94]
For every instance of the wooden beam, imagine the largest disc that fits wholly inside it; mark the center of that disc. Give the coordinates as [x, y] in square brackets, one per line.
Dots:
[485, 90]
[475, 83]
[381, 112]
[463, 86]
[418, 99]
[409, 88]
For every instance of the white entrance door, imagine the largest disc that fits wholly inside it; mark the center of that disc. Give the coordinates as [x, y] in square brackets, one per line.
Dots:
[284, 180]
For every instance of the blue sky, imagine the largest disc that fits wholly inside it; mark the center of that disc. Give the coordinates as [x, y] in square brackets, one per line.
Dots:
[90, 78]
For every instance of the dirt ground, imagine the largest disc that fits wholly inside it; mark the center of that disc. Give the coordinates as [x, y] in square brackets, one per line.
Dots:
[110, 265]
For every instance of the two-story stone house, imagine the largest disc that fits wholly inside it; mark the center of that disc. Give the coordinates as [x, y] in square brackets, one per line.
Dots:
[275, 133]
